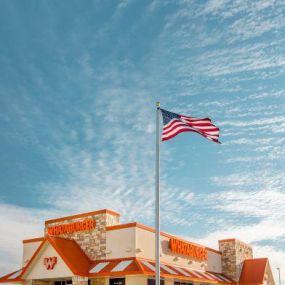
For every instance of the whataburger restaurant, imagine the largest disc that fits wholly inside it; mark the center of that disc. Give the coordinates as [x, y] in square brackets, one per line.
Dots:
[95, 249]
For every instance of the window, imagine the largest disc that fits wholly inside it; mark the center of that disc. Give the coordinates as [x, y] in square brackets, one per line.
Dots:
[152, 282]
[182, 283]
[63, 282]
[117, 281]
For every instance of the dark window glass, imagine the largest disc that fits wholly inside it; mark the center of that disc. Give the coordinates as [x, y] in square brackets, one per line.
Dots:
[117, 281]
[63, 282]
[152, 282]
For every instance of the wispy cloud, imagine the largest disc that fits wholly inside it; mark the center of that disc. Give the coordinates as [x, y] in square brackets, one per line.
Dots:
[19, 223]
[88, 112]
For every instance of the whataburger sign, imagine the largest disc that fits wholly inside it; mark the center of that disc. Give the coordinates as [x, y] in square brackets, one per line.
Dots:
[85, 225]
[188, 249]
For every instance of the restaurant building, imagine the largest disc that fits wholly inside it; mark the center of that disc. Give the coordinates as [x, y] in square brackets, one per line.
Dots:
[95, 249]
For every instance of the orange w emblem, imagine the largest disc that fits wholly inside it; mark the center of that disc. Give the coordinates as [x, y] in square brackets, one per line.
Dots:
[50, 262]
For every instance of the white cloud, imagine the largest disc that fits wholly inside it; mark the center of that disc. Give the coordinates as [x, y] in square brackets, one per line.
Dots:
[18, 223]
[213, 6]
[253, 234]
[267, 227]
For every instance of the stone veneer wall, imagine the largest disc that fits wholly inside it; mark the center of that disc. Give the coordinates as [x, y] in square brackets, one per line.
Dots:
[38, 282]
[98, 281]
[79, 280]
[92, 242]
[234, 252]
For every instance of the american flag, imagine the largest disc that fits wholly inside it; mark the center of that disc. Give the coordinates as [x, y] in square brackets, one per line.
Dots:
[174, 124]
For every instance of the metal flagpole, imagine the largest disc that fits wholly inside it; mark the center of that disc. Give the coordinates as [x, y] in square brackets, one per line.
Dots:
[157, 198]
[279, 275]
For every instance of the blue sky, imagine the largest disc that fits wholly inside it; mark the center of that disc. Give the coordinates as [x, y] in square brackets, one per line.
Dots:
[78, 86]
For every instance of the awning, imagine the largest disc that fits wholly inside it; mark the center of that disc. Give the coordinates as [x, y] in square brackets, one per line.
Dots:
[120, 267]
[14, 277]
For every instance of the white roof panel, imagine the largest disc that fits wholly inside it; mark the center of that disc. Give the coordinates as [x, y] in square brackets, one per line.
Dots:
[122, 265]
[182, 271]
[99, 267]
[168, 269]
[149, 265]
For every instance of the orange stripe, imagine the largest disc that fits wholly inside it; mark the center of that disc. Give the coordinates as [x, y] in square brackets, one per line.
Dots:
[121, 226]
[213, 250]
[33, 240]
[227, 240]
[105, 211]
[33, 257]
[73, 270]
[234, 239]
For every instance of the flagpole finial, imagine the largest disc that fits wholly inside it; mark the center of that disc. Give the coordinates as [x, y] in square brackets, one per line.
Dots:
[158, 104]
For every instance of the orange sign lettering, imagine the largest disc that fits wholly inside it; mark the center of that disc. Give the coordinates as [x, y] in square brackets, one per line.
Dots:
[50, 262]
[188, 249]
[85, 225]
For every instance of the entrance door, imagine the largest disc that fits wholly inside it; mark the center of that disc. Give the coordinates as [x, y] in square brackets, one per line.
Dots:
[117, 281]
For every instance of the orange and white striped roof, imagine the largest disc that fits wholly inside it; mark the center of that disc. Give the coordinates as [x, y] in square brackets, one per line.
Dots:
[121, 267]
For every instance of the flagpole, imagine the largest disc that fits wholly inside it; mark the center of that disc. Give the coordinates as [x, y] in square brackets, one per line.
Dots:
[157, 199]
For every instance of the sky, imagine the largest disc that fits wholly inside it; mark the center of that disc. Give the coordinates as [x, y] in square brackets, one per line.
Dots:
[78, 86]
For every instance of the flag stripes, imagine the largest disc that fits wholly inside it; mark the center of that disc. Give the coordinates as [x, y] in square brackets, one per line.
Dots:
[174, 124]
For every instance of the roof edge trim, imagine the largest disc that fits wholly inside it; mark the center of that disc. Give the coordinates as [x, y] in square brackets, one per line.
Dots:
[77, 216]
[31, 240]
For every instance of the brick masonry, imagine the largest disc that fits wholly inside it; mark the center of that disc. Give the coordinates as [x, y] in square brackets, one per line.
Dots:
[234, 252]
[92, 242]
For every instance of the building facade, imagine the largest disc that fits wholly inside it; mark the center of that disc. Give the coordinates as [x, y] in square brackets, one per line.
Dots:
[95, 249]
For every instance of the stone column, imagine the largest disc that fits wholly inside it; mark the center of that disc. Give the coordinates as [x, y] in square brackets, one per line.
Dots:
[98, 281]
[28, 282]
[79, 280]
[234, 252]
[38, 282]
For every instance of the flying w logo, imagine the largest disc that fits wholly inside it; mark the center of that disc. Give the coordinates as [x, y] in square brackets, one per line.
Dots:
[50, 262]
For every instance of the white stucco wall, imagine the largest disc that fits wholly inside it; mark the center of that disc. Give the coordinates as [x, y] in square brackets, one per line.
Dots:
[214, 262]
[39, 271]
[28, 251]
[121, 243]
[136, 280]
[139, 242]
[145, 240]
